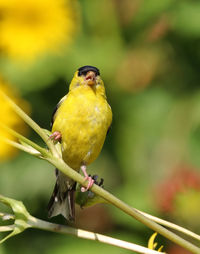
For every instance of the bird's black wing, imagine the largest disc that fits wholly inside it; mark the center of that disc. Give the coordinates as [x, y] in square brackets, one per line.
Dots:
[55, 110]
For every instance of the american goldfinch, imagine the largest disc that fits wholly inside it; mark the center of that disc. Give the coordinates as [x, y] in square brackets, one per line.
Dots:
[80, 122]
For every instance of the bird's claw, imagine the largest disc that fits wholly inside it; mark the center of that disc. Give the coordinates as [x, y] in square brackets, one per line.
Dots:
[87, 177]
[90, 183]
[55, 136]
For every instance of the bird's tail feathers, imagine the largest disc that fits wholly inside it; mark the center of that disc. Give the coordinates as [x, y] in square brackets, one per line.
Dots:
[62, 203]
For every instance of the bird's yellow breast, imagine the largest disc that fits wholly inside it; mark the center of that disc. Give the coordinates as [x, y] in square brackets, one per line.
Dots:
[83, 120]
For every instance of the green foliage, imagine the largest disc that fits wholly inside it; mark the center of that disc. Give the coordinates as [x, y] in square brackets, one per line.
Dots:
[186, 20]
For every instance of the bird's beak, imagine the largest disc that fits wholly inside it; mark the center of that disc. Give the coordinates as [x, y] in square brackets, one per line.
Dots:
[90, 78]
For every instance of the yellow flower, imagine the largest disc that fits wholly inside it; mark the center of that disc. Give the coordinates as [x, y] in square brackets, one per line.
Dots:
[31, 27]
[9, 118]
[152, 244]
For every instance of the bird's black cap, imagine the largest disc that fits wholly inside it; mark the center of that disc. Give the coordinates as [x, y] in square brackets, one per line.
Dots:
[83, 70]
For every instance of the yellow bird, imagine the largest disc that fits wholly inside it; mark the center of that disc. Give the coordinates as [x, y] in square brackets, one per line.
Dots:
[80, 122]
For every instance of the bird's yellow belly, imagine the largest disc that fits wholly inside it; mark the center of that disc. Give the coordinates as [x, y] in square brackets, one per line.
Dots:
[83, 126]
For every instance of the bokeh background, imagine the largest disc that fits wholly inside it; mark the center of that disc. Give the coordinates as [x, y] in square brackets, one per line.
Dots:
[148, 53]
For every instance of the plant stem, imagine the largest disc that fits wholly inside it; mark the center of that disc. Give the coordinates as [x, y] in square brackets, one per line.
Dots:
[31, 123]
[171, 225]
[20, 147]
[7, 228]
[44, 225]
[43, 151]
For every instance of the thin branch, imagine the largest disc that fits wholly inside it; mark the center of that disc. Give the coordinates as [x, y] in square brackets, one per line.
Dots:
[23, 220]
[44, 225]
[171, 225]
[7, 228]
[21, 147]
[24, 139]
[31, 123]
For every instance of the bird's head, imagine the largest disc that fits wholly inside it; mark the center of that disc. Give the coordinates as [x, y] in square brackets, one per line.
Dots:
[88, 76]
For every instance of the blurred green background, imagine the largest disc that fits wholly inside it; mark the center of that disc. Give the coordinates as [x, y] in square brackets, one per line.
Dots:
[148, 53]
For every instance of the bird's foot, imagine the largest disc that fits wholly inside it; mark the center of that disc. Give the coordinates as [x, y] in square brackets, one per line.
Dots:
[87, 177]
[99, 183]
[55, 136]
